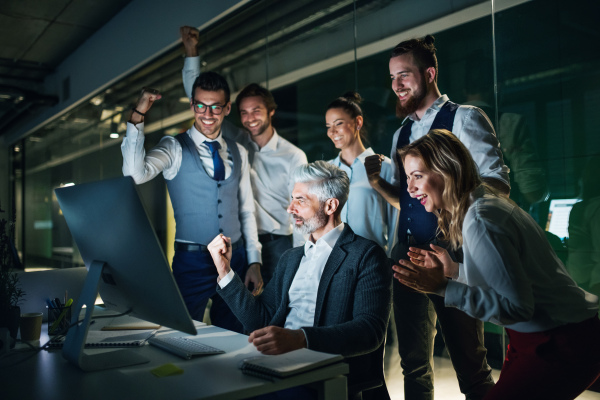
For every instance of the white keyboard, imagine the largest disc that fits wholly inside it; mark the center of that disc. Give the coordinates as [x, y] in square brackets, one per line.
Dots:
[184, 347]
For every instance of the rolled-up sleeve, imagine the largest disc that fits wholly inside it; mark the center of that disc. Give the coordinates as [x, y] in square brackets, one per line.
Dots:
[141, 166]
[475, 131]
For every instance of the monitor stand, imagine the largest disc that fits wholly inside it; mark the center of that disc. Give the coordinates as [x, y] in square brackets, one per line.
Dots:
[73, 348]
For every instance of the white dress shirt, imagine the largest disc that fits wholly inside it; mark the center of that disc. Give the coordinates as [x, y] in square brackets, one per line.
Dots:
[511, 276]
[366, 211]
[270, 173]
[472, 128]
[305, 286]
[272, 184]
[166, 157]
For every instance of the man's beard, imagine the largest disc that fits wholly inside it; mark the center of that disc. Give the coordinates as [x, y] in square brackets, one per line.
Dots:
[413, 103]
[314, 223]
[263, 127]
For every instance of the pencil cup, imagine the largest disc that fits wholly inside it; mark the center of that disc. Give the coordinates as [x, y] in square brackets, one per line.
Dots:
[59, 319]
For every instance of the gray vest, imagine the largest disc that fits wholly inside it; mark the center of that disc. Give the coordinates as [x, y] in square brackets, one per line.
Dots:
[204, 207]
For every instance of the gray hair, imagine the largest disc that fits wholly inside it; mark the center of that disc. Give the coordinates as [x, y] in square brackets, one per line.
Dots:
[328, 181]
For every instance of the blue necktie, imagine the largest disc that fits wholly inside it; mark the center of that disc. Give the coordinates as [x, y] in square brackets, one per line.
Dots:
[217, 160]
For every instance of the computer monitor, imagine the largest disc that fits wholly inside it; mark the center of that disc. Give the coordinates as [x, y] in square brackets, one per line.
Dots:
[558, 216]
[125, 262]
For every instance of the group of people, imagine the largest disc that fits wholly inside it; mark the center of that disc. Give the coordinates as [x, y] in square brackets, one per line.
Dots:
[429, 230]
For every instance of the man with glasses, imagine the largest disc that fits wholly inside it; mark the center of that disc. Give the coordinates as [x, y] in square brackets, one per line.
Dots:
[272, 159]
[208, 180]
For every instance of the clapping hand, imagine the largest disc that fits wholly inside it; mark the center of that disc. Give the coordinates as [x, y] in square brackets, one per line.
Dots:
[417, 257]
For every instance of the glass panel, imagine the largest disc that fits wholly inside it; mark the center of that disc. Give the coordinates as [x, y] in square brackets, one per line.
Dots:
[548, 78]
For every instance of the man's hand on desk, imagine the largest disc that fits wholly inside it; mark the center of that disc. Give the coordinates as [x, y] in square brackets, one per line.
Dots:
[275, 340]
[220, 251]
[253, 276]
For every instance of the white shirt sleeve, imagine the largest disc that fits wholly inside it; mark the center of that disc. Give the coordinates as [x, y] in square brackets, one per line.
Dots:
[477, 134]
[492, 284]
[395, 175]
[226, 279]
[165, 157]
[190, 71]
[246, 211]
[391, 213]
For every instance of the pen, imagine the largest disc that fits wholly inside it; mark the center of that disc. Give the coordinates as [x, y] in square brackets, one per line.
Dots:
[62, 314]
[57, 302]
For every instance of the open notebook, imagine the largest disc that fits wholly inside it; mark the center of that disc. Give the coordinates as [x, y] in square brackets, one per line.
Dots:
[288, 364]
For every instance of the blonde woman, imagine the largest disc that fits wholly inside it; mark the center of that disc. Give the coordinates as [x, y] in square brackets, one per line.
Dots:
[510, 275]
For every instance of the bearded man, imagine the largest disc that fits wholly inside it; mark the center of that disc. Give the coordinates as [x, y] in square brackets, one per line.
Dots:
[333, 294]
[414, 71]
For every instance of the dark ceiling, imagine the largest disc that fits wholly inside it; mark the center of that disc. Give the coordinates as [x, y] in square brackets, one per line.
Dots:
[35, 37]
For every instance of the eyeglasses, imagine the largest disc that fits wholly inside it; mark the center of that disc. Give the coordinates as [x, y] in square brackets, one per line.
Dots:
[200, 108]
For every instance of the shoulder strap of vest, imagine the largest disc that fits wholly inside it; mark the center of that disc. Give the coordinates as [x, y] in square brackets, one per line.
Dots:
[188, 146]
[445, 117]
[235, 153]
[404, 137]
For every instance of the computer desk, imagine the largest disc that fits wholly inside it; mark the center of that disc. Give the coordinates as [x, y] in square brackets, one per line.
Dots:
[48, 376]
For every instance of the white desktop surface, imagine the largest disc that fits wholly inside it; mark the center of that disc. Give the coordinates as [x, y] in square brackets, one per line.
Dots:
[48, 375]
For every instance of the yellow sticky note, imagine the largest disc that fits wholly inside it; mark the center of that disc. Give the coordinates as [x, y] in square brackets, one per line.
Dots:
[167, 370]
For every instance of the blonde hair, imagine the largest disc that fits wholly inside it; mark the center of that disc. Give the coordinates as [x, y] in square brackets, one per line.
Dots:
[445, 155]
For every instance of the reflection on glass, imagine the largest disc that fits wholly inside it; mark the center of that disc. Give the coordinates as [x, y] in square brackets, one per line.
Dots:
[584, 231]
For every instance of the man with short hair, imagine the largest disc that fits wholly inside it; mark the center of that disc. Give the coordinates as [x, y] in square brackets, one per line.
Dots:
[413, 70]
[333, 294]
[271, 157]
[208, 180]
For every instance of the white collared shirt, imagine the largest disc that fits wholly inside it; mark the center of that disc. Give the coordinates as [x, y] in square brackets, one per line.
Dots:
[272, 184]
[472, 128]
[305, 286]
[166, 157]
[366, 211]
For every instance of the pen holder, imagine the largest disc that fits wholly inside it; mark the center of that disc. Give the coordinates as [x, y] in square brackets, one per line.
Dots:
[59, 319]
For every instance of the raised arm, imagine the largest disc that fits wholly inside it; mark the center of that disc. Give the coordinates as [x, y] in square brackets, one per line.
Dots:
[190, 37]
[140, 166]
[191, 67]
[143, 105]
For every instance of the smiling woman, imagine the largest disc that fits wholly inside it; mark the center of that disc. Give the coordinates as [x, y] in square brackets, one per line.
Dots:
[510, 275]
[366, 211]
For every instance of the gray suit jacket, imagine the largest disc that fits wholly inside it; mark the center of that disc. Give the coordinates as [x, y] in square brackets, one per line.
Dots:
[352, 308]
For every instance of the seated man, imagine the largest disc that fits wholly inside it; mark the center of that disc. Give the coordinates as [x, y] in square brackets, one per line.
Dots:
[333, 294]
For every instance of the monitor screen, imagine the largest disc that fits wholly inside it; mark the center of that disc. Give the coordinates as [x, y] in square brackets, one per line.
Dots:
[558, 216]
[109, 225]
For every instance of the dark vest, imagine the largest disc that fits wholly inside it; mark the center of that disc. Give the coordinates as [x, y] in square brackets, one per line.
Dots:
[204, 207]
[413, 216]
